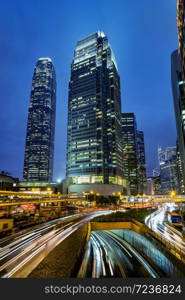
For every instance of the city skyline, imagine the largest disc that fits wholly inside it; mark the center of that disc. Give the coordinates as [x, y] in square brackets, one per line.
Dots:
[14, 162]
[92, 156]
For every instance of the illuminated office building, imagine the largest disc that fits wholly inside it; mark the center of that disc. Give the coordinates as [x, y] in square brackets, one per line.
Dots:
[168, 169]
[94, 146]
[178, 88]
[130, 153]
[141, 163]
[181, 33]
[39, 150]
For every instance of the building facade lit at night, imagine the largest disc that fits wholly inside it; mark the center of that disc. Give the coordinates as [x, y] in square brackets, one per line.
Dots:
[130, 153]
[141, 162]
[178, 88]
[94, 145]
[178, 99]
[39, 150]
[168, 169]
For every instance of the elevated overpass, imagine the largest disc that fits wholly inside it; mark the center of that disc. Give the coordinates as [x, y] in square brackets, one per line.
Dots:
[12, 198]
[41, 202]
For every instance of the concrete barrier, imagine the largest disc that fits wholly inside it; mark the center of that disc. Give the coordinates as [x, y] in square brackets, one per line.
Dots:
[110, 225]
[139, 228]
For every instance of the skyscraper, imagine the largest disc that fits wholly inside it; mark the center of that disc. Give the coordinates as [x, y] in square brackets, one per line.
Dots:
[141, 162]
[178, 99]
[94, 146]
[168, 169]
[181, 33]
[39, 150]
[178, 88]
[130, 153]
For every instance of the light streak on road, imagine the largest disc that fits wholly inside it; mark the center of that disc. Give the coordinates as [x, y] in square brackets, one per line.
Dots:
[41, 240]
[123, 244]
[112, 257]
[157, 222]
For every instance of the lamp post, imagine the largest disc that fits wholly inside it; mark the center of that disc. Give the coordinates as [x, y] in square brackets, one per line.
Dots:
[172, 194]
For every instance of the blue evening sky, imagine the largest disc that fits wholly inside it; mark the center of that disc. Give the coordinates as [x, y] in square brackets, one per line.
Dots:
[142, 33]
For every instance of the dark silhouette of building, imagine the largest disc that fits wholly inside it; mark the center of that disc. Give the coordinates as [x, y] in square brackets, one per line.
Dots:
[39, 150]
[7, 182]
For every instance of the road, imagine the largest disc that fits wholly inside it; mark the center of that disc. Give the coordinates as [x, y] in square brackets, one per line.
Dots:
[19, 250]
[107, 255]
[157, 222]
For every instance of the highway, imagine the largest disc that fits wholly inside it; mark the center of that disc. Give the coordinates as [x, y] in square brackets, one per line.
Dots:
[107, 255]
[157, 222]
[19, 250]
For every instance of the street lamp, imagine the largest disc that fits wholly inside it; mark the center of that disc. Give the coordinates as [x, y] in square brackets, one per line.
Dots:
[172, 193]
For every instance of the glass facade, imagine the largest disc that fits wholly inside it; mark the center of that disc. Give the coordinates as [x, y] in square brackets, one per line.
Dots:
[130, 153]
[178, 99]
[178, 88]
[168, 169]
[39, 150]
[94, 146]
[181, 33]
[141, 163]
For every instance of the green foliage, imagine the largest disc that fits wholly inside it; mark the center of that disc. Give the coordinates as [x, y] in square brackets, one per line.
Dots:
[137, 214]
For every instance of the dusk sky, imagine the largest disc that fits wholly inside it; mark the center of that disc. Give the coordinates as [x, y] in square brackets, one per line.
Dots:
[143, 35]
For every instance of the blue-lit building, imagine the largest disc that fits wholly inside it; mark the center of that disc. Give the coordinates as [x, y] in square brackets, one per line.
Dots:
[178, 88]
[94, 144]
[168, 169]
[179, 108]
[39, 149]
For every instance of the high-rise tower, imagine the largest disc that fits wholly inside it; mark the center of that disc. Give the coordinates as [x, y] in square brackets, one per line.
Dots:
[179, 108]
[39, 150]
[178, 87]
[141, 162]
[181, 33]
[130, 153]
[94, 146]
[168, 169]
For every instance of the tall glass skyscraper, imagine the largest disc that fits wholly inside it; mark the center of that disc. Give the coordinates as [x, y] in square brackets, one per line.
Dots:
[179, 108]
[94, 146]
[130, 153]
[39, 150]
[168, 169]
[181, 33]
[141, 162]
[178, 87]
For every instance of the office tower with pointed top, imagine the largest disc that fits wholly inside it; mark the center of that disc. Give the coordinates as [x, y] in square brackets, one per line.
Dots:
[94, 144]
[39, 149]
